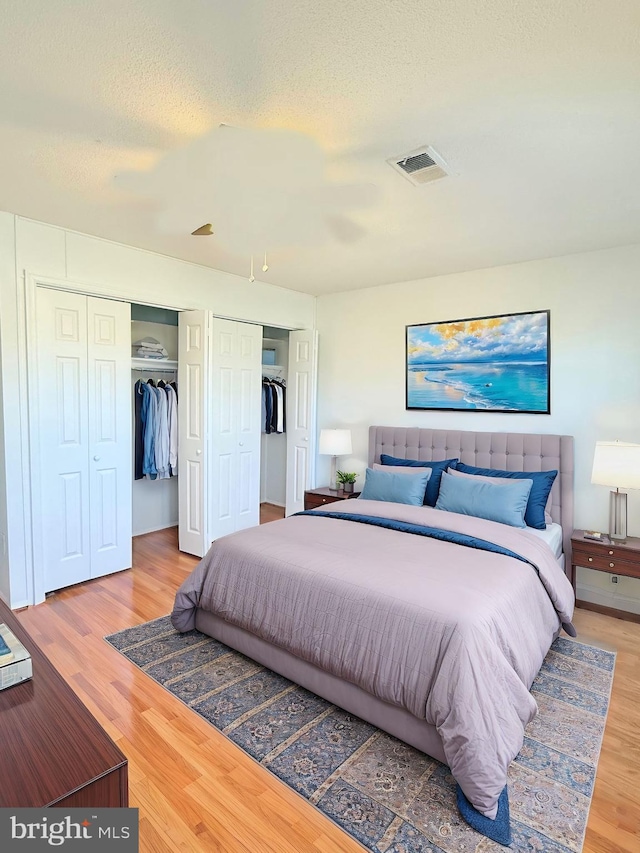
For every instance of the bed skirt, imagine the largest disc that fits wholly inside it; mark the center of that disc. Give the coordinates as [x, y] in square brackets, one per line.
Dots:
[394, 720]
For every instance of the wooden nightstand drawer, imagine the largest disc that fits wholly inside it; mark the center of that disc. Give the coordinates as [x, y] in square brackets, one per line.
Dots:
[311, 501]
[616, 563]
[314, 498]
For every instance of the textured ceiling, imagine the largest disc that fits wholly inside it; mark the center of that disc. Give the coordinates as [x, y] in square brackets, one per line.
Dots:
[534, 104]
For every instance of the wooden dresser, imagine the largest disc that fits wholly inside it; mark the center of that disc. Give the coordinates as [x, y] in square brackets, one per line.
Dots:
[54, 752]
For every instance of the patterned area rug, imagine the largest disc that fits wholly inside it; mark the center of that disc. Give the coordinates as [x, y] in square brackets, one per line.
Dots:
[387, 795]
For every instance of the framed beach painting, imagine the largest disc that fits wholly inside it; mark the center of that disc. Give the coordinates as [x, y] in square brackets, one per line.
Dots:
[481, 364]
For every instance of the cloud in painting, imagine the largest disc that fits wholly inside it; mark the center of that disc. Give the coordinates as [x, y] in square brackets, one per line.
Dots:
[516, 338]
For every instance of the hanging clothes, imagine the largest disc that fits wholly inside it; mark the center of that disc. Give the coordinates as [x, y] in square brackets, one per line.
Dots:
[274, 404]
[155, 430]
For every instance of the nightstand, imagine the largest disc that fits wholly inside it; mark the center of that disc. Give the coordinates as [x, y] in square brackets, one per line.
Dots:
[605, 556]
[317, 497]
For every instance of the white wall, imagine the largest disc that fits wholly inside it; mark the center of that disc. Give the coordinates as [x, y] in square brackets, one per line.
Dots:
[594, 300]
[103, 268]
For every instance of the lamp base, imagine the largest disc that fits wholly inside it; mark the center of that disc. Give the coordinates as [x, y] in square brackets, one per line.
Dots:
[618, 517]
[333, 482]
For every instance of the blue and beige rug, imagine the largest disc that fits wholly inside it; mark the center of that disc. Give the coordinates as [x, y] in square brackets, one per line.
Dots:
[387, 795]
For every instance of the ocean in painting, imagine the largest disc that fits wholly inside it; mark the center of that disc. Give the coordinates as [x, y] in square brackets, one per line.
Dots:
[511, 386]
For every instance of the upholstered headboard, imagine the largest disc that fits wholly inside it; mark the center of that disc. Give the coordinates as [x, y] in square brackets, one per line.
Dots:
[510, 451]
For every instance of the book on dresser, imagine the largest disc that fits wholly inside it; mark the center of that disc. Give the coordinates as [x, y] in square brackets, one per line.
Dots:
[15, 660]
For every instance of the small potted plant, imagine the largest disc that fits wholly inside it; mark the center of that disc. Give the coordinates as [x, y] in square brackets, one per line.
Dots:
[346, 481]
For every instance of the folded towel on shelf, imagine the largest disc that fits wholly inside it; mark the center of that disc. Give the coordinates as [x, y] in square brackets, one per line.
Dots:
[150, 348]
[153, 356]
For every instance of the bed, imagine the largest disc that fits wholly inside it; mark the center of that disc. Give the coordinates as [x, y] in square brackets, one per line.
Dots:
[433, 642]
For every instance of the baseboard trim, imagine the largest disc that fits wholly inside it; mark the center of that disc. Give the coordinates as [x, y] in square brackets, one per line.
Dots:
[609, 611]
[154, 529]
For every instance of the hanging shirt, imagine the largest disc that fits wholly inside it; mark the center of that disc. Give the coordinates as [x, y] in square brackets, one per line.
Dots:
[274, 408]
[138, 397]
[280, 407]
[148, 412]
[162, 435]
[172, 408]
[268, 404]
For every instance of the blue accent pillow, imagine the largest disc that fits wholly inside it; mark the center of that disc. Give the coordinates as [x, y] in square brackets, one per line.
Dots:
[433, 486]
[397, 488]
[542, 483]
[503, 503]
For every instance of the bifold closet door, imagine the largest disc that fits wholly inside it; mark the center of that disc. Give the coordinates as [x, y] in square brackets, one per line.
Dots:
[194, 388]
[235, 436]
[301, 415]
[64, 437]
[110, 440]
[84, 425]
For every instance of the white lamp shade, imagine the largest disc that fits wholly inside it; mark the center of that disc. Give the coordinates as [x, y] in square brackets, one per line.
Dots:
[335, 442]
[616, 464]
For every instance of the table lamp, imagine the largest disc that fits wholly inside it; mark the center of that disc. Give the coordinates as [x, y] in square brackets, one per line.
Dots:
[617, 464]
[334, 442]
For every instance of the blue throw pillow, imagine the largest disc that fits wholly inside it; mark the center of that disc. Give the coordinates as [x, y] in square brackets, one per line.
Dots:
[433, 486]
[542, 483]
[397, 488]
[505, 503]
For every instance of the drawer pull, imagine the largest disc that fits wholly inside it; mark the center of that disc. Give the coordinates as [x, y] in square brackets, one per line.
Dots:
[324, 500]
[611, 553]
[591, 559]
[611, 565]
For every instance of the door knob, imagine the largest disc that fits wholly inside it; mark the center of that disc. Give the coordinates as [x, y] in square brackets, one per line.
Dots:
[96, 458]
[241, 443]
[198, 452]
[305, 438]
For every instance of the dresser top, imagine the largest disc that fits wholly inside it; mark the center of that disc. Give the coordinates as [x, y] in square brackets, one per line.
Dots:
[51, 743]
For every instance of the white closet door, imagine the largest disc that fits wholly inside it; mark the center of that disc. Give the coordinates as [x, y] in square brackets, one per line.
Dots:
[301, 415]
[249, 408]
[64, 442]
[109, 394]
[235, 435]
[194, 388]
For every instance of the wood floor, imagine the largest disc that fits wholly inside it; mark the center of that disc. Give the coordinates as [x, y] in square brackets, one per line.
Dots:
[197, 791]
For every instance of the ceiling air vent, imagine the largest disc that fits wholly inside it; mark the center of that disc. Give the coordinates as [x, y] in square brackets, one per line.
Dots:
[420, 166]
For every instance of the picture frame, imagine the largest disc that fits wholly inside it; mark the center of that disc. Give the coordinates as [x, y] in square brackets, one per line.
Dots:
[496, 363]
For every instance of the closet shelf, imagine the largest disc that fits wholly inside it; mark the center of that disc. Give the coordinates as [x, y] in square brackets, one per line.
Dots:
[272, 367]
[153, 364]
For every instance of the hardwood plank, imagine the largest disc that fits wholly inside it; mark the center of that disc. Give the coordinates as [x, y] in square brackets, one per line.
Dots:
[270, 512]
[198, 791]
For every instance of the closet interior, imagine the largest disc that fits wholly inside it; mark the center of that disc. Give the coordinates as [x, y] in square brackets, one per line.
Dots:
[155, 498]
[273, 456]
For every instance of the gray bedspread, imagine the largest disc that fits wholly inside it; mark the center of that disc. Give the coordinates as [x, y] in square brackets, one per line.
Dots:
[453, 634]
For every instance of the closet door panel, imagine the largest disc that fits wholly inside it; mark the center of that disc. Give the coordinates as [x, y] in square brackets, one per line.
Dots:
[301, 416]
[109, 405]
[249, 413]
[63, 433]
[193, 425]
[235, 440]
[224, 442]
